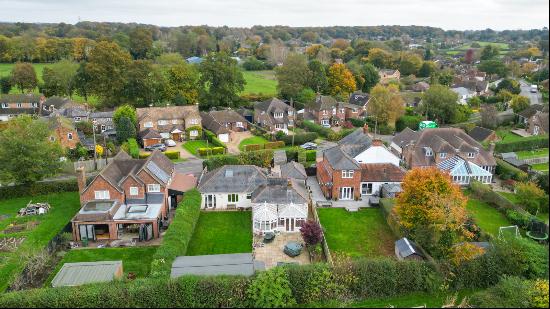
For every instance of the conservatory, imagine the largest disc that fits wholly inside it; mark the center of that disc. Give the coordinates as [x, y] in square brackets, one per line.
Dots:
[463, 172]
[264, 217]
[292, 216]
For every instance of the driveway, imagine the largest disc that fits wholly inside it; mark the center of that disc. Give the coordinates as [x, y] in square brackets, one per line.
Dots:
[236, 139]
[535, 98]
[191, 166]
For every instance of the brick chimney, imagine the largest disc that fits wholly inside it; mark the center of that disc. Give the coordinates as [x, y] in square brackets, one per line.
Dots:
[81, 180]
[366, 129]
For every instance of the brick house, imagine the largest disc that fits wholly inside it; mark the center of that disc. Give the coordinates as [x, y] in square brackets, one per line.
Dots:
[327, 111]
[223, 122]
[63, 131]
[357, 168]
[12, 105]
[387, 75]
[171, 122]
[274, 115]
[126, 200]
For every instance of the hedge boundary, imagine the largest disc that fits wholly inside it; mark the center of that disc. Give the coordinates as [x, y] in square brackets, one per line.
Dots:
[213, 139]
[38, 188]
[526, 143]
[178, 235]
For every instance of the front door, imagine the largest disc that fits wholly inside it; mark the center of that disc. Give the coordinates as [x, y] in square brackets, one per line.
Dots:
[289, 224]
[346, 193]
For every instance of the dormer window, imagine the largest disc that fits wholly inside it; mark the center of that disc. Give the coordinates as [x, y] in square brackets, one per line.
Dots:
[278, 115]
[429, 152]
[148, 124]
[442, 155]
[5, 105]
[70, 136]
[194, 121]
[471, 155]
[162, 122]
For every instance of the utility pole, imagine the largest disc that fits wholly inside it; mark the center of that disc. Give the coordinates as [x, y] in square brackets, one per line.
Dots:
[293, 123]
[95, 152]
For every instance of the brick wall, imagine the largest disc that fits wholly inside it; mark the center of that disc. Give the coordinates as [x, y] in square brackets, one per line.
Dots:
[100, 184]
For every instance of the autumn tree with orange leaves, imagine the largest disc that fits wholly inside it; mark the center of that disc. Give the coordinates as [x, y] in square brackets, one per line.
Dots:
[432, 210]
[341, 80]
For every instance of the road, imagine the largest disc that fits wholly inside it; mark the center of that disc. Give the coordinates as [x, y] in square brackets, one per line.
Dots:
[190, 166]
[535, 98]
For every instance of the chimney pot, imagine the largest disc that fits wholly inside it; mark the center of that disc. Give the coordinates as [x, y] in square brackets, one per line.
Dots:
[366, 129]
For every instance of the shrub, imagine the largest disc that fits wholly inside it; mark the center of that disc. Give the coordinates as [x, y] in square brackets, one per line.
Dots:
[300, 139]
[407, 121]
[193, 128]
[357, 122]
[510, 292]
[213, 139]
[315, 283]
[274, 145]
[133, 148]
[214, 162]
[261, 158]
[311, 231]
[311, 155]
[253, 147]
[526, 143]
[271, 289]
[144, 155]
[172, 154]
[507, 171]
[178, 235]
[204, 151]
[38, 188]
[313, 127]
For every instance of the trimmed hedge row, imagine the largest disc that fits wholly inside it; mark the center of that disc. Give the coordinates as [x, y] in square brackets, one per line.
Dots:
[305, 284]
[178, 235]
[253, 147]
[313, 127]
[214, 162]
[213, 139]
[170, 154]
[267, 146]
[526, 143]
[38, 188]
[506, 171]
[203, 151]
[133, 148]
[261, 158]
[299, 139]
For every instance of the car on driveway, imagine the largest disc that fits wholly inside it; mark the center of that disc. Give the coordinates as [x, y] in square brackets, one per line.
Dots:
[309, 146]
[170, 143]
[160, 147]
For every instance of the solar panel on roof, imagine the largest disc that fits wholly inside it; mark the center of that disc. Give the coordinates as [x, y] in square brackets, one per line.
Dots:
[157, 171]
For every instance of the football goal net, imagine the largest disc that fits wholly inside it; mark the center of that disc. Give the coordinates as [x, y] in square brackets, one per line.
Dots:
[507, 232]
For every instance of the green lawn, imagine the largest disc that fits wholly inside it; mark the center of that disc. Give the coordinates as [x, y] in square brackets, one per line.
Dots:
[543, 167]
[512, 197]
[252, 140]
[529, 154]
[221, 233]
[134, 259]
[507, 136]
[192, 146]
[359, 234]
[64, 206]
[263, 82]
[487, 218]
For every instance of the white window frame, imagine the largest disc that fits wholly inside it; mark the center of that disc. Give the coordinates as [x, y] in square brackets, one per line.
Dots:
[162, 122]
[471, 155]
[210, 201]
[19, 105]
[368, 186]
[102, 195]
[347, 174]
[325, 112]
[174, 121]
[342, 110]
[5, 105]
[153, 188]
[134, 191]
[34, 104]
[325, 121]
[429, 153]
[77, 119]
[194, 121]
[278, 115]
[148, 124]
[70, 136]
[239, 124]
[442, 155]
[193, 133]
[233, 198]
[290, 113]
[103, 128]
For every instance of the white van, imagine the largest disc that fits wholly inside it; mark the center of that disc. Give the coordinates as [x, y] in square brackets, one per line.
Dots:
[534, 88]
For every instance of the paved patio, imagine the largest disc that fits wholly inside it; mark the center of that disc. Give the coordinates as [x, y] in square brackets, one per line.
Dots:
[317, 196]
[272, 253]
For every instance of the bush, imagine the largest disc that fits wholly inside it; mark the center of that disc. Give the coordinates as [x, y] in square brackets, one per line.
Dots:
[299, 139]
[271, 289]
[133, 148]
[178, 235]
[313, 127]
[311, 155]
[274, 145]
[144, 155]
[253, 147]
[213, 139]
[38, 188]
[213, 163]
[204, 151]
[357, 122]
[172, 154]
[336, 136]
[507, 171]
[526, 143]
[510, 292]
[292, 154]
[407, 121]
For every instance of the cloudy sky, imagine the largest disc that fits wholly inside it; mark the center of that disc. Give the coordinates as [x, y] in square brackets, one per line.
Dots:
[447, 14]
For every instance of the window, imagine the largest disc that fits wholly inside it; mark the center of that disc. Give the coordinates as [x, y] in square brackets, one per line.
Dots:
[194, 133]
[103, 128]
[34, 104]
[4, 105]
[134, 190]
[471, 155]
[70, 136]
[334, 111]
[239, 124]
[154, 187]
[249, 196]
[174, 121]
[148, 124]
[442, 155]
[366, 188]
[325, 112]
[210, 201]
[102, 195]
[290, 113]
[162, 122]
[77, 119]
[325, 122]
[194, 121]
[429, 152]
[19, 105]
[342, 110]
[279, 126]
[279, 115]
[233, 198]
[347, 173]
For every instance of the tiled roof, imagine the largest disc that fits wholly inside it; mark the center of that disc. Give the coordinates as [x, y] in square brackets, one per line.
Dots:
[355, 142]
[339, 160]
[212, 125]
[381, 172]
[480, 134]
[232, 178]
[169, 112]
[293, 169]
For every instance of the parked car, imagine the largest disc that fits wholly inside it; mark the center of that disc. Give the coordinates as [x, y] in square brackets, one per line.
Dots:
[534, 88]
[160, 147]
[170, 143]
[309, 146]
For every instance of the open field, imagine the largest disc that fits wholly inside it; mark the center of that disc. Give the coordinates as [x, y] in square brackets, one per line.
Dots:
[134, 259]
[260, 82]
[38, 234]
[222, 232]
[359, 234]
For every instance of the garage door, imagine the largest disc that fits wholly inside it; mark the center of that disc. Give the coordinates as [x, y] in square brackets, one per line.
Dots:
[224, 138]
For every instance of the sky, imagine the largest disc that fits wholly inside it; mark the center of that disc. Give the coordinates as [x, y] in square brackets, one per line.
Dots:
[446, 14]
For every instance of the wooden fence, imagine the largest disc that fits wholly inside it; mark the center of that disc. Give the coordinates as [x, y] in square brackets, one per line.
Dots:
[324, 245]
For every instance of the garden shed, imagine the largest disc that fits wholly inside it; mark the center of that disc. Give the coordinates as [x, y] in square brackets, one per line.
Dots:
[406, 249]
[75, 274]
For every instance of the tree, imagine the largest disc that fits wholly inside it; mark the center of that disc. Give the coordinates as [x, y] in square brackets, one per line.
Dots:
[23, 76]
[489, 116]
[312, 233]
[144, 84]
[439, 103]
[427, 69]
[341, 81]
[141, 42]
[386, 104]
[509, 84]
[410, 64]
[464, 252]
[519, 103]
[379, 58]
[370, 76]
[493, 67]
[5, 84]
[474, 102]
[59, 78]
[531, 197]
[125, 129]
[27, 153]
[293, 76]
[469, 56]
[127, 111]
[183, 80]
[432, 210]
[107, 68]
[489, 52]
[220, 81]
[305, 96]
[318, 80]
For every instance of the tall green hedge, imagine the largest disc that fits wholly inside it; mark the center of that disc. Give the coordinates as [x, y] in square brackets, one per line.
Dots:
[526, 143]
[313, 127]
[506, 171]
[180, 231]
[133, 148]
[213, 139]
[38, 188]
[299, 139]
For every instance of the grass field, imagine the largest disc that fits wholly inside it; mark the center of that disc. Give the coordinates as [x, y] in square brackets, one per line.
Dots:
[252, 140]
[529, 154]
[543, 167]
[221, 233]
[260, 82]
[64, 206]
[506, 136]
[192, 146]
[134, 259]
[359, 234]
[486, 217]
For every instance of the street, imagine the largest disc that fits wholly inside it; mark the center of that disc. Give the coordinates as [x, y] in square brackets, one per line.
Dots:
[534, 98]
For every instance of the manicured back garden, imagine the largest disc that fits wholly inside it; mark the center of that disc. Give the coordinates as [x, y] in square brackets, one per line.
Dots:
[486, 217]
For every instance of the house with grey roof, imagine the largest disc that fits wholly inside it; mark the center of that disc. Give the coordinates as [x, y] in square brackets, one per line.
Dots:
[128, 199]
[464, 94]
[328, 112]
[102, 120]
[223, 122]
[274, 115]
